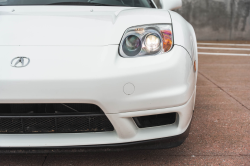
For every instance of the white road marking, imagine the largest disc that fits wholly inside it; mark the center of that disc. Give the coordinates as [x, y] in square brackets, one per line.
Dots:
[224, 44]
[218, 48]
[227, 54]
[209, 47]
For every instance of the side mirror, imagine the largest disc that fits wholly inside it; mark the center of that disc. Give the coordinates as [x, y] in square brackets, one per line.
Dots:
[171, 4]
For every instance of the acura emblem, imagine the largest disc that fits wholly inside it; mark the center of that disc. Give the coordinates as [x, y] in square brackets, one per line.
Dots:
[20, 62]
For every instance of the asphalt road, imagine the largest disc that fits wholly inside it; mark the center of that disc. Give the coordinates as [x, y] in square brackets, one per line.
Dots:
[220, 131]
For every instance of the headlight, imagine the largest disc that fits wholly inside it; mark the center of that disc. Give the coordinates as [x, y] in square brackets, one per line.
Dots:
[146, 40]
[132, 45]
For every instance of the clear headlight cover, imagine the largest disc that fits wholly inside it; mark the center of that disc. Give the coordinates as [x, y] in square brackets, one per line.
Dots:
[146, 40]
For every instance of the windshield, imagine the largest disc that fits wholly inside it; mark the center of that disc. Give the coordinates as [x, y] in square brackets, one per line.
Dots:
[128, 3]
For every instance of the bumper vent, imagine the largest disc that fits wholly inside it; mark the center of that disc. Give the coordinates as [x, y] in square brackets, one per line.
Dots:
[155, 120]
[52, 118]
[39, 109]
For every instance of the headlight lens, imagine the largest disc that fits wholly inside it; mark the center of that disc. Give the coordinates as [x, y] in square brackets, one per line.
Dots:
[132, 45]
[152, 42]
[146, 40]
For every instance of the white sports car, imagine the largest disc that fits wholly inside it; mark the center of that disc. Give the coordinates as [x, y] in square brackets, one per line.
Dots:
[95, 73]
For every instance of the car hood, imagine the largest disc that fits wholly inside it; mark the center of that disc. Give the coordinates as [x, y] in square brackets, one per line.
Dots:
[72, 25]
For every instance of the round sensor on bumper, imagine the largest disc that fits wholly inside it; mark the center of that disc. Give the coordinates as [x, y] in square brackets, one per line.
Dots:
[129, 89]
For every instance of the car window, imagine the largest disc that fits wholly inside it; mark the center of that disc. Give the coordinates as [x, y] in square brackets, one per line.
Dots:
[128, 3]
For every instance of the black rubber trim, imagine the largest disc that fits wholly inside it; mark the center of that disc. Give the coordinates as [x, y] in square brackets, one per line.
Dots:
[53, 115]
[162, 143]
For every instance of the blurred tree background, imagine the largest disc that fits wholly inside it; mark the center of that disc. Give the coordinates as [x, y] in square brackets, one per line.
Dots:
[217, 19]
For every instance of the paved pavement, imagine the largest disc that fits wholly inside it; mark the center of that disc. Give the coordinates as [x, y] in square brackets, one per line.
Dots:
[220, 131]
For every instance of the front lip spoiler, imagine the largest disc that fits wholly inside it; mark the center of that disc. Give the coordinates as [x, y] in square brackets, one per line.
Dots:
[161, 143]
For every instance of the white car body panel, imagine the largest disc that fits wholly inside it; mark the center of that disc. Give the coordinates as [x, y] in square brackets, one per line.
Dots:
[171, 4]
[46, 26]
[88, 74]
[183, 37]
[74, 58]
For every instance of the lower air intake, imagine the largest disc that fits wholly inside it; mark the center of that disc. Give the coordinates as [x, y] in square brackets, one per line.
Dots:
[52, 118]
[155, 120]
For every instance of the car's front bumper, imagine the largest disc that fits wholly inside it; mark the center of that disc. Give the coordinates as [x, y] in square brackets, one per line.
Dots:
[124, 127]
[163, 84]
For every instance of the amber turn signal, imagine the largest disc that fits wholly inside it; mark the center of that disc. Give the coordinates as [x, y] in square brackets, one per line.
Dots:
[195, 66]
[167, 40]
